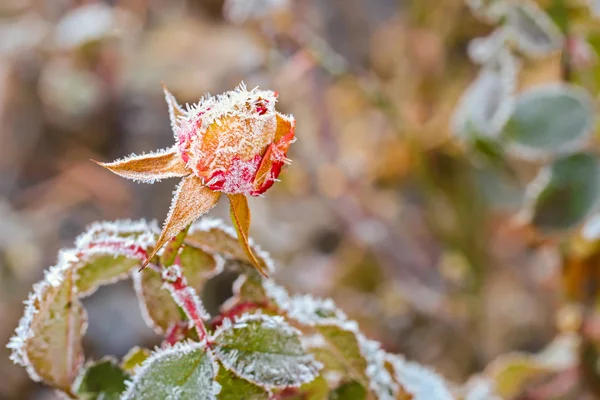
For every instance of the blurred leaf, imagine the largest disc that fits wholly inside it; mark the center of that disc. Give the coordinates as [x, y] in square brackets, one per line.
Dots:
[349, 391]
[235, 388]
[565, 192]
[550, 119]
[186, 371]
[48, 339]
[418, 381]
[535, 33]
[512, 372]
[101, 380]
[264, 350]
[134, 358]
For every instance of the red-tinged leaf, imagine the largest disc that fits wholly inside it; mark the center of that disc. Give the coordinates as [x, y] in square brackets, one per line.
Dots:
[171, 249]
[240, 216]
[48, 339]
[191, 200]
[150, 167]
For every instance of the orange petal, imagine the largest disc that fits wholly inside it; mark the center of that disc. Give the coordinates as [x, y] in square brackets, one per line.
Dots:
[150, 167]
[240, 216]
[192, 199]
[285, 125]
[175, 110]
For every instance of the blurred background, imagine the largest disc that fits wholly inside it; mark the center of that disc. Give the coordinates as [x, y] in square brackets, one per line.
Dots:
[380, 209]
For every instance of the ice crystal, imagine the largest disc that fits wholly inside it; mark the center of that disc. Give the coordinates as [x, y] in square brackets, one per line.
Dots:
[185, 296]
[264, 350]
[186, 370]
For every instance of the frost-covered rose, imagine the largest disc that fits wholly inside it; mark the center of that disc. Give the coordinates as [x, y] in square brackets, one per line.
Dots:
[235, 143]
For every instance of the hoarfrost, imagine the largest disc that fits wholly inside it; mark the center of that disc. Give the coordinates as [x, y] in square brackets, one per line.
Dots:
[186, 370]
[264, 350]
[533, 31]
[421, 382]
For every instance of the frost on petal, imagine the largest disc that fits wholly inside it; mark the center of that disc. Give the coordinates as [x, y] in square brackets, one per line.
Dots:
[151, 167]
[109, 251]
[488, 102]
[533, 31]
[184, 371]
[48, 339]
[159, 309]
[264, 350]
[190, 201]
[213, 236]
[420, 382]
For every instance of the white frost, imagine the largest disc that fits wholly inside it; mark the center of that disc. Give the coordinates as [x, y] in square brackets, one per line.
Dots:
[421, 382]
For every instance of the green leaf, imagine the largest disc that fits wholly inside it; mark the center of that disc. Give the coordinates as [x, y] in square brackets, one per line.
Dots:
[48, 339]
[172, 247]
[101, 380]
[158, 307]
[550, 119]
[103, 269]
[134, 358]
[345, 345]
[185, 371]
[216, 238]
[235, 388]
[264, 350]
[512, 372]
[565, 192]
[349, 391]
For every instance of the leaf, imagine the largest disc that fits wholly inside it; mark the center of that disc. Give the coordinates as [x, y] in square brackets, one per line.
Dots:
[235, 388]
[213, 236]
[346, 346]
[133, 358]
[533, 31]
[172, 248]
[156, 302]
[486, 105]
[108, 251]
[151, 167]
[191, 200]
[184, 371]
[565, 192]
[101, 380]
[422, 383]
[550, 119]
[264, 350]
[175, 111]
[240, 216]
[48, 339]
[349, 391]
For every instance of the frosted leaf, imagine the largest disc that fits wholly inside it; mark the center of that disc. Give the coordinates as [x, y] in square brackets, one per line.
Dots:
[151, 167]
[349, 391]
[240, 11]
[109, 251]
[420, 382]
[133, 358]
[550, 119]
[236, 388]
[533, 31]
[487, 104]
[510, 373]
[489, 49]
[479, 388]
[156, 302]
[185, 371]
[102, 379]
[265, 350]
[213, 236]
[48, 339]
